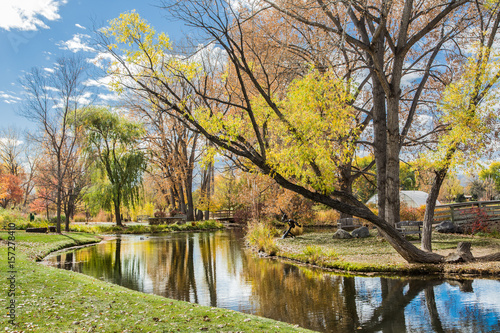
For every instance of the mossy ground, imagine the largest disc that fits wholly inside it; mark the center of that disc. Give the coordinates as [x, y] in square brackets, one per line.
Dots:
[54, 300]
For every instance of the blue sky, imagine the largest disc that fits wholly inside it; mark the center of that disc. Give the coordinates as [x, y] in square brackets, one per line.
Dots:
[34, 33]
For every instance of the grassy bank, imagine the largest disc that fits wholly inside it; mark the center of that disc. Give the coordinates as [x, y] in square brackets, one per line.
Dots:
[147, 229]
[54, 300]
[375, 255]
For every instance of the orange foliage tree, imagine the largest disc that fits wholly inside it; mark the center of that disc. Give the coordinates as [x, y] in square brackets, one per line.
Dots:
[10, 190]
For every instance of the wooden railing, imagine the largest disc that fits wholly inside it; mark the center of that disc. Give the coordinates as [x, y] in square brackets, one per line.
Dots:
[222, 214]
[461, 213]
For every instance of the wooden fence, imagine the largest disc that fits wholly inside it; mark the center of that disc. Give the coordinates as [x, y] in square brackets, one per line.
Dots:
[222, 215]
[466, 212]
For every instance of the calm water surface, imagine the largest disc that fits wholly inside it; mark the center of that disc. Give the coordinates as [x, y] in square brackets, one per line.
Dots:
[214, 269]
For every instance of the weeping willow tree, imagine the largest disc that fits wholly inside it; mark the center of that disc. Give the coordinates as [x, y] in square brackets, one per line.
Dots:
[112, 145]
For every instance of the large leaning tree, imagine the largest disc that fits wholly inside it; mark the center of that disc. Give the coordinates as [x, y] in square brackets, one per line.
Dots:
[295, 135]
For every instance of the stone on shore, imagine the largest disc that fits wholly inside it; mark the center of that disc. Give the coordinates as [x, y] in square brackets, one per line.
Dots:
[361, 232]
[342, 234]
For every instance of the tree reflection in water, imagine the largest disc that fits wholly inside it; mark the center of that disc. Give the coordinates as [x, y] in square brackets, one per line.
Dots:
[214, 269]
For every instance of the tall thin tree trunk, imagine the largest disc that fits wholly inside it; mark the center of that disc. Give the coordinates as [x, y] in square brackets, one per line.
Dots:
[426, 242]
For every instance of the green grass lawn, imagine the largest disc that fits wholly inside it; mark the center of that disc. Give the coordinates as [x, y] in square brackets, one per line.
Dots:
[54, 300]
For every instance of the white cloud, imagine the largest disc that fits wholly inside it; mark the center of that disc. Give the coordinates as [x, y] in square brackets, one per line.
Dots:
[80, 26]
[28, 15]
[101, 82]
[49, 88]
[109, 97]
[238, 5]
[76, 44]
[102, 60]
[50, 70]
[409, 78]
[9, 98]
[11, 141]
[84, 99]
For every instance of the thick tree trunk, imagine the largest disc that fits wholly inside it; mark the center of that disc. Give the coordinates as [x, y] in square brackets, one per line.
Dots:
[393, 204]
[189, 197]
[118, 216]
[490, 257]
[207, 188]
[172, 199]
[58, 209]
[393, 135]
[346, 180]
[182, 202]
[429, 210]
[380, 140]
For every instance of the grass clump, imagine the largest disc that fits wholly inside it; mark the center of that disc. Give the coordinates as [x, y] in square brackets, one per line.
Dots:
[262, 237]
[317, 254]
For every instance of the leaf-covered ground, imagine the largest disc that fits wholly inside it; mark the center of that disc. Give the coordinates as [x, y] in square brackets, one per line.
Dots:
[54, 300]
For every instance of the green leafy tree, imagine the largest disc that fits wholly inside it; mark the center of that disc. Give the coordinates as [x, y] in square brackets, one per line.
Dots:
[470, 115]
[493, 172]
[407, 177]
[112, 144]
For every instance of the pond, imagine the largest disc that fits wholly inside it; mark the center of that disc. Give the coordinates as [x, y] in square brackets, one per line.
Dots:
[215, 269]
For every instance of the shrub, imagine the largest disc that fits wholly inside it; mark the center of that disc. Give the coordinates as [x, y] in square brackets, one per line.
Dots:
[160, 214]
[83, 228]
[327, 216]
[80, 218]
[208, 224]
[242, 215]
[480, 221]
[103, 216]
[408, 213]
[53, 220]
